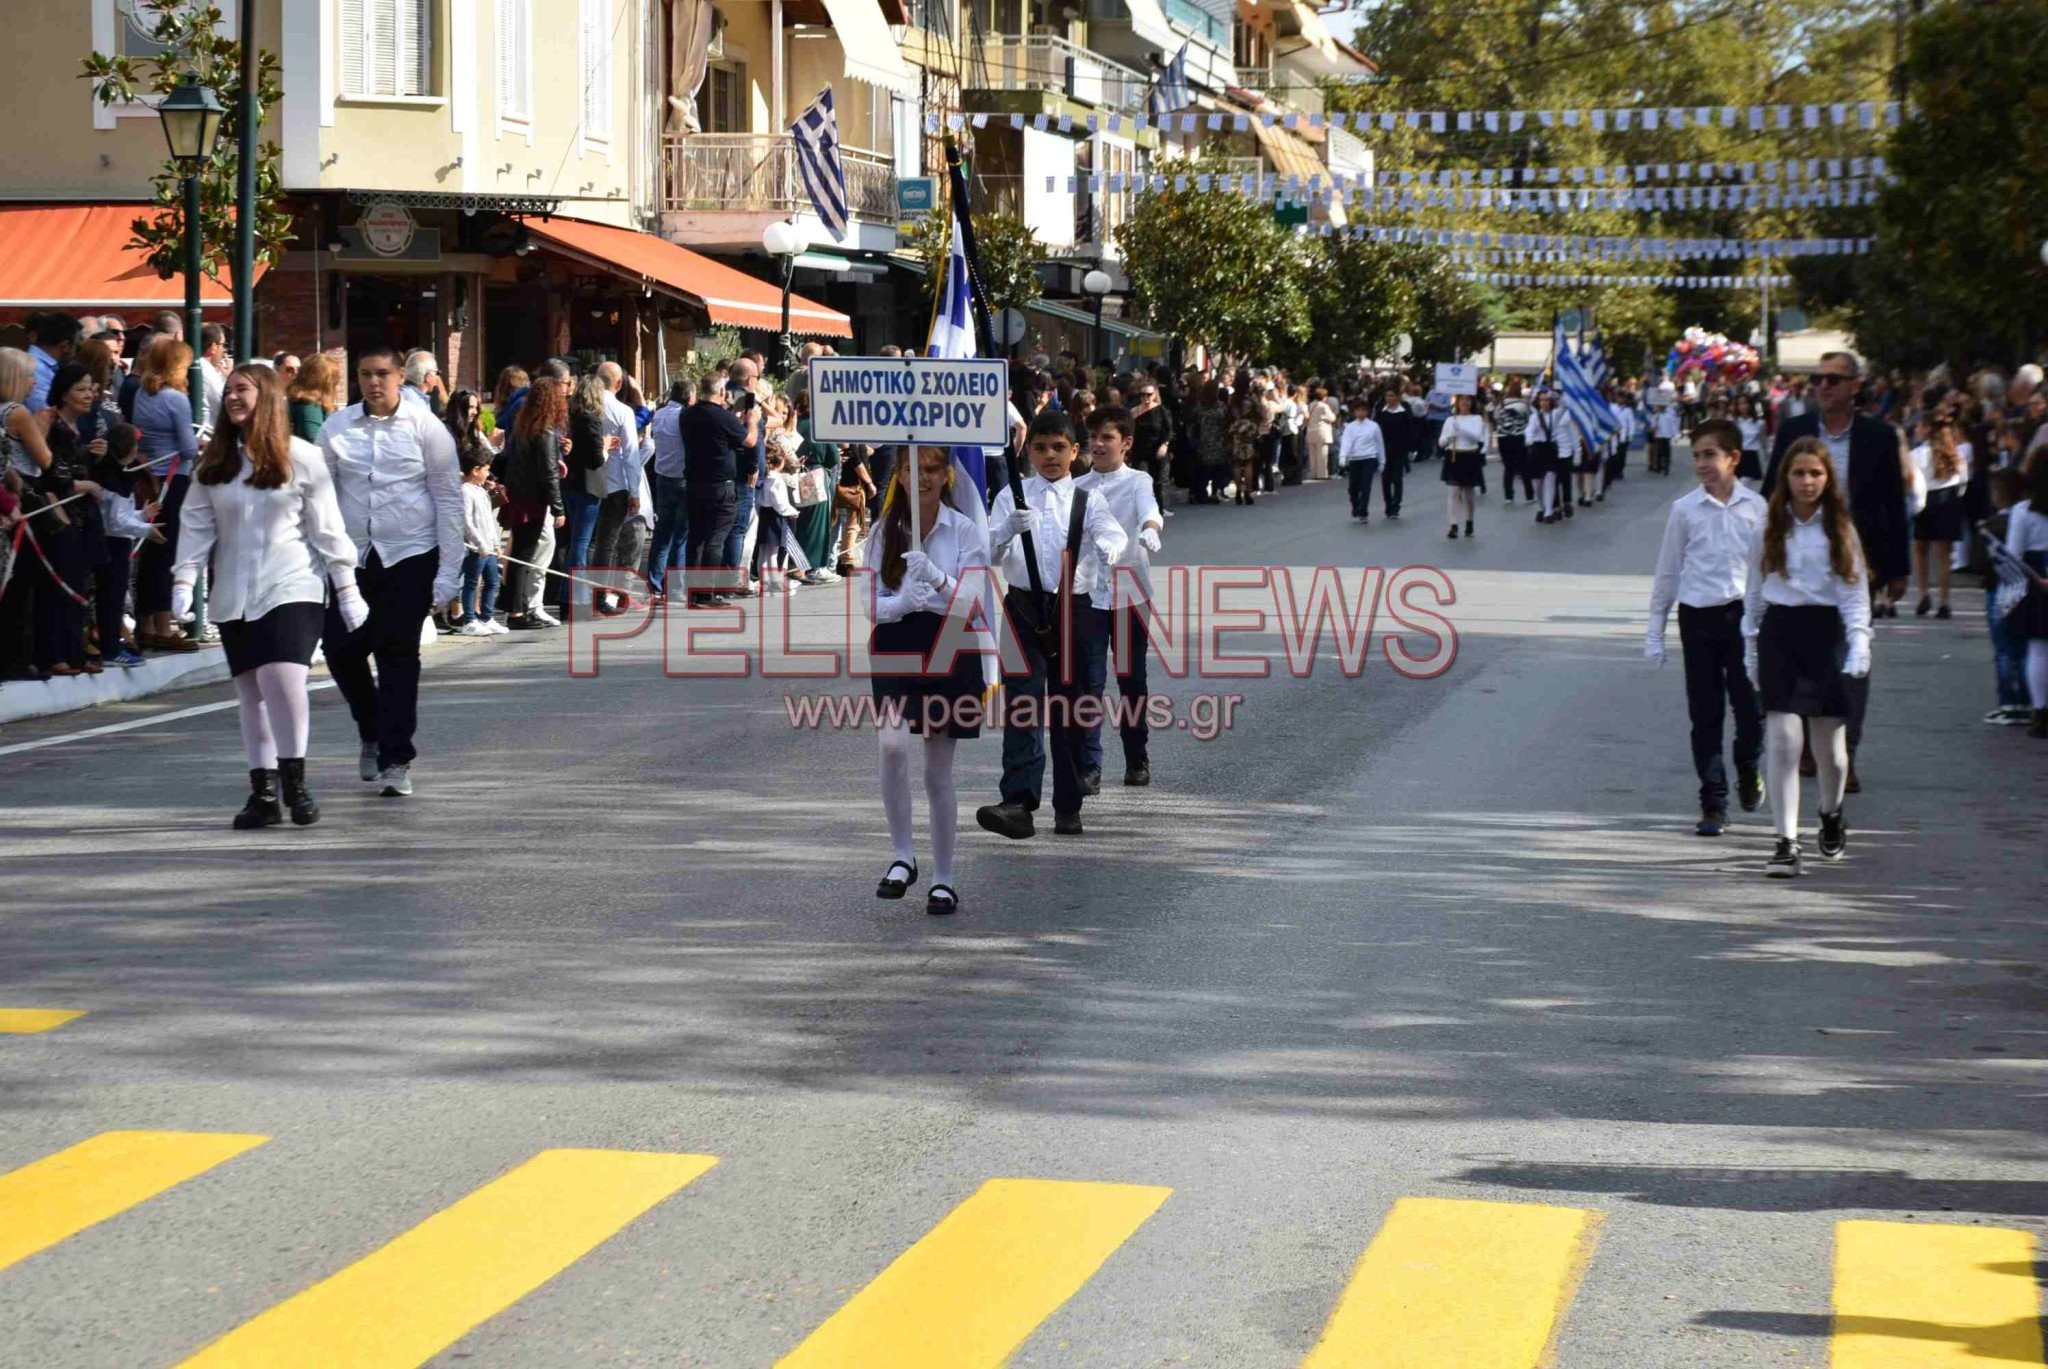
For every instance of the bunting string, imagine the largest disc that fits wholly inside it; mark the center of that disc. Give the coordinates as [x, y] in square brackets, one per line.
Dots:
[1864, 115]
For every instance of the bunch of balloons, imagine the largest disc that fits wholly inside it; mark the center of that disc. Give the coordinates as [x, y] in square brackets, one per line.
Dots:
[1710, 356]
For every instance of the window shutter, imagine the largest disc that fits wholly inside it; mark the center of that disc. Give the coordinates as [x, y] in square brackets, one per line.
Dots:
[509, 53]
[597, 71]
[352, 47]
[418, 69]
[380, 20]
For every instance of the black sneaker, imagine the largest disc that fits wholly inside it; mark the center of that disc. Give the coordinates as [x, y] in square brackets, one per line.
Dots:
[1749, 790]
[1784, 862]
[1091, 782]
[1834, 835]
[1712, 823]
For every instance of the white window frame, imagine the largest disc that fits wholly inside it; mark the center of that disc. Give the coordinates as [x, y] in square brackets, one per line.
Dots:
[513, 123]
[594, 20]
[433, 40]
[107, 20]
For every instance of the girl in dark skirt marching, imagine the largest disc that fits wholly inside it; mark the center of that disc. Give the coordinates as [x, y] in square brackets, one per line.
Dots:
[924, 577]
[1464, 446]
[1807, 620]
[261, 511]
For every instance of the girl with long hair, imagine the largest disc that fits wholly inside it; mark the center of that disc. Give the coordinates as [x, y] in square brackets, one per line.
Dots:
[315, 393]
[1463, 441]
[262, 506]
[1943, 463]
[915, 593]
[168, 447]
[1806, 618]
[1749, 468]
[532, 463]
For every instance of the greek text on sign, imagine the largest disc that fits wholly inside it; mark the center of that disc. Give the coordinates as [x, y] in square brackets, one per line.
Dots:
[937, 401]
[1455, 379]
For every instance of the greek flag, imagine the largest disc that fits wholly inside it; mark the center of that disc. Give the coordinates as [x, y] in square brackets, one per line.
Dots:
[1581, 396]
[1595, 358]
[1171, 91]
[816, 135]
[953, 332]
[2013, 576]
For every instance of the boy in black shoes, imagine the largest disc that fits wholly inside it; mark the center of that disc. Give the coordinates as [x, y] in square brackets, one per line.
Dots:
[1703, 567]
[1073, 540]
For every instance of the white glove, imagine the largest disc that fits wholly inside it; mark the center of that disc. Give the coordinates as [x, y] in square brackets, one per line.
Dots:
[1653, 650]
[1148, 538]
[181, 602]
[918, 597]
[1858, 664]
[917, 566]
[348, 602]
[1021, 522]
[1749, 664]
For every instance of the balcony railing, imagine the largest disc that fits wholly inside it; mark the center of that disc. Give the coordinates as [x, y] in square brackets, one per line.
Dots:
[1055, 66]
[756, 173]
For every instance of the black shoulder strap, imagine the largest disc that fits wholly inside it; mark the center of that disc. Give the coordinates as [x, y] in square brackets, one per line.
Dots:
[1077, 519]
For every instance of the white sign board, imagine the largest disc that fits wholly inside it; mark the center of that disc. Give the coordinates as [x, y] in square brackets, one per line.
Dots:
[1659, 396]
[898, 401]
[1455, 378]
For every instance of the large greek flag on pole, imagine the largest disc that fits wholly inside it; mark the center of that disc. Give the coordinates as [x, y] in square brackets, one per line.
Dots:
[816, 135]
[1581, 396]
[1171, 91]
[952, 332]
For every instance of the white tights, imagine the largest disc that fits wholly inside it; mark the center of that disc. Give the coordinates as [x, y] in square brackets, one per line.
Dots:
[274, 713]
[1462, 498]
[2037, 671]
[938, 792]
[1782, 737]
[1549, 492]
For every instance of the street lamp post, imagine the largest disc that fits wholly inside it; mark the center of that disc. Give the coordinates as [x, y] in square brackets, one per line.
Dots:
[1096, 283]
[191, 117]
[245, 194]
[784, 240]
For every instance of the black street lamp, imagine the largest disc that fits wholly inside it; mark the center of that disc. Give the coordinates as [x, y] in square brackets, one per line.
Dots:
[784, 240]
[245, 194]
[191, 117]
[1096, 284]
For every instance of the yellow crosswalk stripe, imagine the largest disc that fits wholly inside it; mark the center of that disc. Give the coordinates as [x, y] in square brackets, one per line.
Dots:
[1913, 1295]
[1456, 1284]
[407, 1301]
[29, 1021]
[61, 1195]
[976, 1285]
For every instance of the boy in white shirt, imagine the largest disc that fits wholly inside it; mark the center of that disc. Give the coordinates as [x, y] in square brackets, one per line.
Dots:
[1361, 450]
[1119, 606]
[1703, 567]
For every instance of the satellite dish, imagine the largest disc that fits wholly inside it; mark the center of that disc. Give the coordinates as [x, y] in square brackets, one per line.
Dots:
[1791, 320]
[1009, 327]
[1572, 320]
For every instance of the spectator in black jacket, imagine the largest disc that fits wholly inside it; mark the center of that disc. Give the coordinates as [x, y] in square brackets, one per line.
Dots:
[1870, 456]
[1398, 429]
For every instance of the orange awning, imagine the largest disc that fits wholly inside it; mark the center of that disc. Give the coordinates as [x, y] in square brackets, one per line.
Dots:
[728, 295]
[76, 256]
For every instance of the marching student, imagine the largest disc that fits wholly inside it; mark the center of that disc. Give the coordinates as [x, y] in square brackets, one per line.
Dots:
[1665, 425]
[1463, 441]
[914, 593]
[400, 491]
[2026, 536]
[1511, 422]
[1748, 422]
[1119, 604]
[1943, 465]
[1398, 435]
[1806, 620]
[261, 510]
[1553, 448]
[1703, 568]
[1076, 539]
[1361, 451]
[1623, 408]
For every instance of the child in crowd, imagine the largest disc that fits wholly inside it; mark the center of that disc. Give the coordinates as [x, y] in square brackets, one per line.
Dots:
[1703, 567]
[775, 508]
[1361, 448]
[2008, 648]
[482, 540]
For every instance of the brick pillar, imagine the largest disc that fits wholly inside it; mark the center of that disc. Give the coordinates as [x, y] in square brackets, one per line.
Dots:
[286, 308]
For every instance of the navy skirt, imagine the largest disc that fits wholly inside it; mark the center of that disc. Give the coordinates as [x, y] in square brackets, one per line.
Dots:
[288, 634]
[1800, 651]
[915, 635]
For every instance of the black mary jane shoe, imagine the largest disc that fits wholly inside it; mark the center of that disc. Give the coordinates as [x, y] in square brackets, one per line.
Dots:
[941, 901]
[896, 888]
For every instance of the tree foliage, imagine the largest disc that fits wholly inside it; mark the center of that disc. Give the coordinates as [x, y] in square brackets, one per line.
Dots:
[1009, 252]
[1212, 267]
[195, 48]
[1956, 274]
[1361, 298]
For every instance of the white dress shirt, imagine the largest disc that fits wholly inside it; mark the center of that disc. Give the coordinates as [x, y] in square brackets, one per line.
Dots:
[480, 532]
[1666, 422]
[953, 545]
[268, 547]
[1923, 461]
[214, 384]
[666, 432]
[622, 462]
[1102, 538]
[2026, 530]
[1752, 430]
[1128, 493]
[1463, 433]
[1708, 548]
[1554, 426]
[1361, 440]
[399, 487]
[1809, 580]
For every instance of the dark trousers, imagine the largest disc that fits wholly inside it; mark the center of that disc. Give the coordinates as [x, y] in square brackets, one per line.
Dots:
[18, 614]
[1393, 482]
[60, 622]
[712, 509]
[1024, 747]
[1514, 465]
[736, 530]
[1359, 476]
[1858, 687]
[110, 593]
[1132, 686]
[153, 567]
[671, 530]
[1716, 683]
[385, 706]
[1659, 459]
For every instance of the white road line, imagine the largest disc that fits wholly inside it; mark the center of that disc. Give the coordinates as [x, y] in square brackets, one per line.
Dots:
[111, 728]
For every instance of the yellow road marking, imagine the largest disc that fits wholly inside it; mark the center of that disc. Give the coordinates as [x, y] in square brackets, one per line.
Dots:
[1454, 1284]
[1913, 1295]
[979, 1282]
[61, 1195]
[409, 1300]
[29, 1021]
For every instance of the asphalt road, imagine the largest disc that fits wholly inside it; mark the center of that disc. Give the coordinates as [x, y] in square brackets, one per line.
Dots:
[1383, 943]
